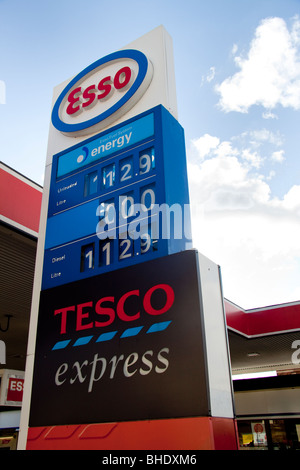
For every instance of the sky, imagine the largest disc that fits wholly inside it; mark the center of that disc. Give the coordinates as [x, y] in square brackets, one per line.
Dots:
[237, 67]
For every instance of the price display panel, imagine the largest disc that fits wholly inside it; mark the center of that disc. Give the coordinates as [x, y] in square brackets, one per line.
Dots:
[117, 199]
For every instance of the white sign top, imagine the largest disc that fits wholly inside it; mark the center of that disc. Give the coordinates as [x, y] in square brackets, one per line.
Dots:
[113, 89]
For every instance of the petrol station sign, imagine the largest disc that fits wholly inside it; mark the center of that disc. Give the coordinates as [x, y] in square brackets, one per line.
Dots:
[11, 389]
[124, 311]
[113, 348]
[107, 219]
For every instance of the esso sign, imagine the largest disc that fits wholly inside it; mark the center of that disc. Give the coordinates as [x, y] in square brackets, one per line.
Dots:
[15, 389]
[80, 98]
[102, 93]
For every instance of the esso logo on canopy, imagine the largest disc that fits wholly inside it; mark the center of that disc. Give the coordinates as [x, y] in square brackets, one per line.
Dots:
[102, 93]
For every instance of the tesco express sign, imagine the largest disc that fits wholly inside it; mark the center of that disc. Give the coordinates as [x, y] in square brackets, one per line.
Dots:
[102, 93]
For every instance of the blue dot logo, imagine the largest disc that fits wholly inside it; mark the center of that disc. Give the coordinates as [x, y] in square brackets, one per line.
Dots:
[83, 155]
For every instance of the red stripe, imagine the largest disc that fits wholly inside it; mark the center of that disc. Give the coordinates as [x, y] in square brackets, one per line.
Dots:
[274, 319]
[19, 201]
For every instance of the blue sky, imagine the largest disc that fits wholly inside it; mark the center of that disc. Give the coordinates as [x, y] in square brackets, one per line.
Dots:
[237, 66]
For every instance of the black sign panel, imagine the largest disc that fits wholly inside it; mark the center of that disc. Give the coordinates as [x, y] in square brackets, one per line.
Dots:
[125, 345]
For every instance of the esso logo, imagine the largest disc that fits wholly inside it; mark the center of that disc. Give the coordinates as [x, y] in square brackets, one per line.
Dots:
[102, 93]
[80, 98]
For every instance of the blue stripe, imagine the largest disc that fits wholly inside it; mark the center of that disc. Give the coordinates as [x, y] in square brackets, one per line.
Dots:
[61, 344]
[84, 340]
[131, 332]
[159, 327]
[106, 336]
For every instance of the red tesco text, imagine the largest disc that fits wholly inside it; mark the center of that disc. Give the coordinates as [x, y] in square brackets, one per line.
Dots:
[107, 308]
[80, 99]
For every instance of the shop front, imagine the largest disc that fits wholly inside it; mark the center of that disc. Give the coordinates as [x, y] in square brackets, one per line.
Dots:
[269, 434]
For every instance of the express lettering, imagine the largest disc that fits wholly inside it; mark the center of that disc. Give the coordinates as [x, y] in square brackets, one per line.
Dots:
[90, 372]
[107, 308]
[80, 99]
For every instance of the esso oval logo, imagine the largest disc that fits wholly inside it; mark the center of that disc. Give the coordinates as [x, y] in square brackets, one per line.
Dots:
[102, 93]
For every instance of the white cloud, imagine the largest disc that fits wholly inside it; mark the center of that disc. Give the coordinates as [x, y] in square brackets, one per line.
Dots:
[291, 200]
[234, 49]
[237, 221]
[271, 175]
[225, 149]
[205, 144]
[252, 157]
[278, 156]
[270, 74]
[248, 146]
[238, 224]
[264, 135]
[209, 76]
[269, 115]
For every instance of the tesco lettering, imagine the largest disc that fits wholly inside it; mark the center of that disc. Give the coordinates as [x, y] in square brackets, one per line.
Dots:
[80, 99]
[107, 308]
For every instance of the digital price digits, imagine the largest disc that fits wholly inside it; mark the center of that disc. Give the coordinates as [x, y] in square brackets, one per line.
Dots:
[104, 208]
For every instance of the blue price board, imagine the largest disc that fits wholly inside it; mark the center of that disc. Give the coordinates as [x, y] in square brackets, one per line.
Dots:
[117, 199]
